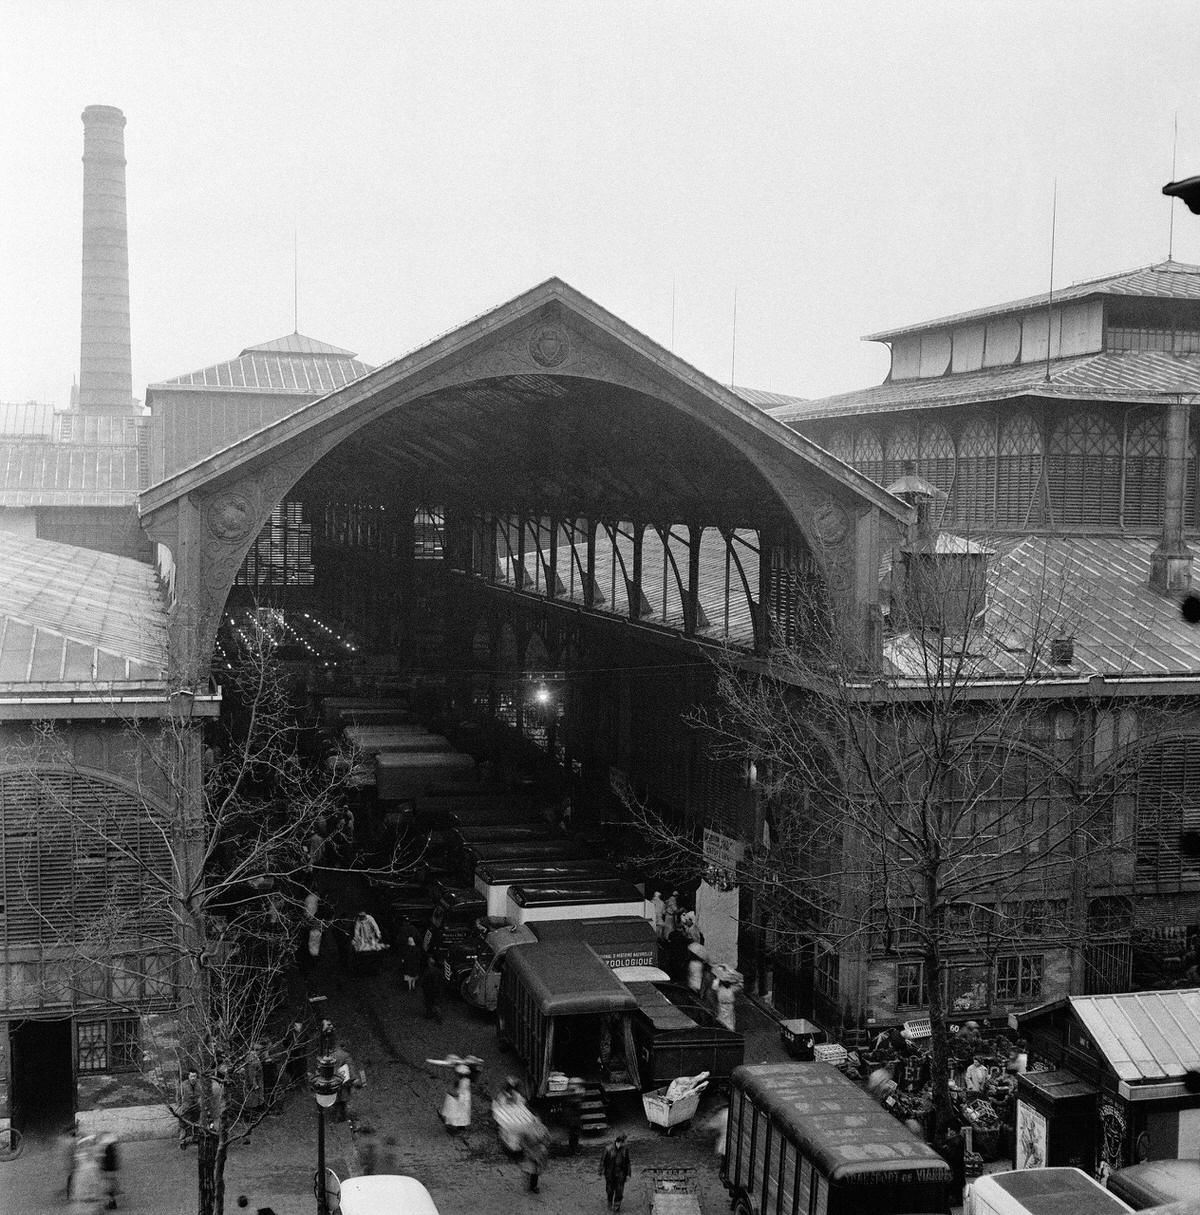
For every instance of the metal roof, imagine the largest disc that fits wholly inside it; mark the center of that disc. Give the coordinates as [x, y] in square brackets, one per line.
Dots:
[255, 371]
[1097, 587]
[1145, 1035]
[29, 420]
[297, 343]
[1167, 280]
[1123, 375]
[72, 619]
[767, 400]
[68, 474]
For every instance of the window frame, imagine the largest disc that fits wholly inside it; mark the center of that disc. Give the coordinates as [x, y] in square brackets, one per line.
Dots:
[1028, 982]
[114, 1046]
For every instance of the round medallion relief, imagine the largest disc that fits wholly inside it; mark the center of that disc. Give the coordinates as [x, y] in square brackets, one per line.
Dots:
[831, 524]
[230, 517]
[549, 345]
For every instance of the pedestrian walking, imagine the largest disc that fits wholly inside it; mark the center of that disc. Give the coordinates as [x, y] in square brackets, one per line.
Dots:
[410, 961]
[534, 1154]
[189, 1109]
[87, 1187]
[432, 986]
[511, 1115]
[343, 1064]
[66, 1146]
[109, 1157]
[253, 1095]
[456, 1105]
[697, 966]
[615, 1167]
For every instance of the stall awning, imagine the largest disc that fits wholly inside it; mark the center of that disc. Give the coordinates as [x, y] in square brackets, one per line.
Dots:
[1057, 1086]
[1146, 1036]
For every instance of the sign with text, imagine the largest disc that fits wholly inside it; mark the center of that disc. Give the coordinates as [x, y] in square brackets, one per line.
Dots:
[722, 851]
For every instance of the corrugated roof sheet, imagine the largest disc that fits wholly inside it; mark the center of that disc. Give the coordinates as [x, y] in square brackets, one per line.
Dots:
[1122, 375]
[297, 343]
[1098, 587]
[29, 420]
[72, 619]
[68, 474]
[1146, 1035]
[314, 375]
[1167, 280]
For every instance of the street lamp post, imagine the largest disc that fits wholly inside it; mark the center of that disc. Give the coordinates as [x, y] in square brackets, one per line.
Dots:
[324, 1085]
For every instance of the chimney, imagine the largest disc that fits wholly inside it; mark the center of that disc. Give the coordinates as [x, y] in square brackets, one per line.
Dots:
[105, 370]
[1171, 561]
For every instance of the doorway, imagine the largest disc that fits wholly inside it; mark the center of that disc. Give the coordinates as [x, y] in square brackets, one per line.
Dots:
[43, 1081]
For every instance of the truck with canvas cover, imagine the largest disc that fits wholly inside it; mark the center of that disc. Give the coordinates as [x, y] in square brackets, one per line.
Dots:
[563, 1010]
[802, 1138]
[617, 940]
[676, 1035]
[526, 904]
[553, 850]
[493, 880]
[401, 776]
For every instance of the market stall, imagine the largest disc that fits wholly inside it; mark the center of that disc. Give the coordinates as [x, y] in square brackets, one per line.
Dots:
[1139, 1052]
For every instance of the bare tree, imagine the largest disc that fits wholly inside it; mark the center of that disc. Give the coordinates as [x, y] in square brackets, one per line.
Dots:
[924, 806]
[202, 877]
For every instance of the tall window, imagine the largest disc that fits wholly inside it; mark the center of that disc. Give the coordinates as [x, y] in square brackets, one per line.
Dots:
[1019, 979]
[975, 483]
[825, 972]
[910, 985]
[899, 448]
[1019, 472]
[109, 1045]
[282, 553]
[1083, 465]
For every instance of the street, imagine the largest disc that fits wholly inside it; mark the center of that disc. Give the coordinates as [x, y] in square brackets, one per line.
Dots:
[383, 1027]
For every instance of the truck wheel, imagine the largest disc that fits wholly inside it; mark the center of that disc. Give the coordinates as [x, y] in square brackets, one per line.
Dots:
[741, 1206]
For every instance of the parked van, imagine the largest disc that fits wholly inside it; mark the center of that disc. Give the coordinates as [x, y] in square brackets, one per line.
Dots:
[1156, 1182]
[525, 904]
[618, 941]
[802, 1137]
[401, 776]
[493, 880]
[386, 1194]
[562, 1009]
[1050, 1191]
[474, 855]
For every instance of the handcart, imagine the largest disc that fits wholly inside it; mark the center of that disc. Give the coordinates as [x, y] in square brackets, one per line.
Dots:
[676, 1104]
[672, 1192]
[799, 1036]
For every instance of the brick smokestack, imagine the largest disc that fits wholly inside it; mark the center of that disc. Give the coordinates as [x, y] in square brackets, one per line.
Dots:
[105, 368]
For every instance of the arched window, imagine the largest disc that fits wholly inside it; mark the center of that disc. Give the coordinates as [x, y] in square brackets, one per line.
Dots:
[1164, 781]
[1019, 472]
[899, 448]
[935, 462]
[1144, 469]
[975, 484]
[840, 443]
[868, 454]
[1084, 471]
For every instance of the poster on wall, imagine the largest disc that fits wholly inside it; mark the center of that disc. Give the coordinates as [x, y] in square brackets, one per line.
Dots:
[1031, 1137]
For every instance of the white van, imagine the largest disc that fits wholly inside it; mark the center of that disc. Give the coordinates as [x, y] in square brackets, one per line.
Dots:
[386, 1194]
[1041, 1192]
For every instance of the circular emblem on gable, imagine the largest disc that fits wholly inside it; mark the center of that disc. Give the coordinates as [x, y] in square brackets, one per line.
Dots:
[549, 345]
[831, 523]
[230, 517]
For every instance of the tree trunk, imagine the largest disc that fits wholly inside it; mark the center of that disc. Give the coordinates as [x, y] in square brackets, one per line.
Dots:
[206, 1165]
[939, 1071]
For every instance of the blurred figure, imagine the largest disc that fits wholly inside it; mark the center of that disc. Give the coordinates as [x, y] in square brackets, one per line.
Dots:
[432, 986]
[534, 1154]
[410, 961]
[87, 1187]
[109, 1157]
[510, 1114]
[456, 1105]
[66, 1146]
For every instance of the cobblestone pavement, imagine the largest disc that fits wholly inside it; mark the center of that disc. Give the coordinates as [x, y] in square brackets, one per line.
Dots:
[385, 1031]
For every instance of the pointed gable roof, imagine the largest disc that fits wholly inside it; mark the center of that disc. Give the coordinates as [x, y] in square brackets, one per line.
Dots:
[297, 343]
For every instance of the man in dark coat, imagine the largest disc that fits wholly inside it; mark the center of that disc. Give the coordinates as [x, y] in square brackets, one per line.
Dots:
[432, 985]
[616, 1168]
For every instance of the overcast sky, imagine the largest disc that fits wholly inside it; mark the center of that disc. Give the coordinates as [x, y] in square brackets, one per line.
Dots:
[847, 167]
